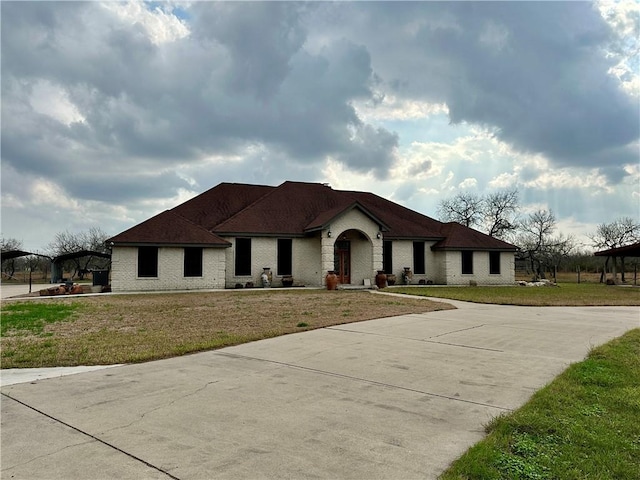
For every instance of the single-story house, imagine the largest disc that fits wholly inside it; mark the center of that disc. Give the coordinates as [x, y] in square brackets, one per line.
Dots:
[232, 234]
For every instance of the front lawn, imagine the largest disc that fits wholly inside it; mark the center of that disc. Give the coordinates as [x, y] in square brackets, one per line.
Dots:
[565, 294]
[584, 425]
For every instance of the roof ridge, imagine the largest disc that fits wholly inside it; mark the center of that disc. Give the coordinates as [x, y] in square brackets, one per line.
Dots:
[278, 190]
[247, 207]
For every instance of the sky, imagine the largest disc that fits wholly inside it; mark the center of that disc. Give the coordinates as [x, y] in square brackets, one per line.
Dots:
[113, 112]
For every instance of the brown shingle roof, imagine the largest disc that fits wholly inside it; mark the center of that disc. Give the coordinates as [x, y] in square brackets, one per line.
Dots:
[459, 237]
[220, 203]
[168, 228]
[287, 209]
[293, 209]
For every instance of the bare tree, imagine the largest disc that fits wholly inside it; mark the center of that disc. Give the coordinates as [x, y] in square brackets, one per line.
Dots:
[10, 244]
[464, 208]
[622, 231]
[67, 242]
[495, 213]
[539, 245]
[7, 244]
[559, 249]
[500, 213]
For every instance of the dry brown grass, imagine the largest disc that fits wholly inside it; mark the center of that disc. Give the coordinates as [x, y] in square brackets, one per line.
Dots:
[135, 328]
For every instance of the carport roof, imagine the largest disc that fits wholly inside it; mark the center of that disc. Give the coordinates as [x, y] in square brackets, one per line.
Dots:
[80, 254]
[632, 250]
[10, 254]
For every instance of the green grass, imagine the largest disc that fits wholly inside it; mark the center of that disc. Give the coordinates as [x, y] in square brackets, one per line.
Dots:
[565, 294]
[32, 317]
[583, 425]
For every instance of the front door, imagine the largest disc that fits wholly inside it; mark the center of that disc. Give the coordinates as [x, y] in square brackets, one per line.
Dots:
[342, 261]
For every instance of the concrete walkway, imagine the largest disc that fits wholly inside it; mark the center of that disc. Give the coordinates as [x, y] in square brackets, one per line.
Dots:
[393, 398]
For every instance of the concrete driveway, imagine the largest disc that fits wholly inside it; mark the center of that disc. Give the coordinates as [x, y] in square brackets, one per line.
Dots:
[8, 290]
[394, 398]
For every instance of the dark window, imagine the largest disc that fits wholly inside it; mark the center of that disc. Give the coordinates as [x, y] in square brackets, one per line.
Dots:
[387, 256]
[147, 261]
[418, 257]
[494, 263]
[243, 256]
[193, 262]
[467, 262]
[285, 254]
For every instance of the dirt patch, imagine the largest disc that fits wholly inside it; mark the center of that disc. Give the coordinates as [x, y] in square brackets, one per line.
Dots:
[133, 328]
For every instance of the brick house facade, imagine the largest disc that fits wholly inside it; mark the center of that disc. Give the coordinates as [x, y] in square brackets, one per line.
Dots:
[297, 231]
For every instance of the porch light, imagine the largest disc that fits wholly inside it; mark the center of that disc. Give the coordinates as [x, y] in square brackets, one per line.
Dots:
[329, 234]
[379, 236]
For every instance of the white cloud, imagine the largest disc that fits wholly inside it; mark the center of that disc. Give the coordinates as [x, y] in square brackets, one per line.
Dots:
[624, 19]
[160, 24]
[565, 178]
[468, 183]
[53, 100]
[391, 107]
[504, 180]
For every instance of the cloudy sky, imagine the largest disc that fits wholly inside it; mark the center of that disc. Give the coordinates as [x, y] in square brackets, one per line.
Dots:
[112, 112]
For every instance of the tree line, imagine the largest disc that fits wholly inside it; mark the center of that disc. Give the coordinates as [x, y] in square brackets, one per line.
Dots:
[536, 235]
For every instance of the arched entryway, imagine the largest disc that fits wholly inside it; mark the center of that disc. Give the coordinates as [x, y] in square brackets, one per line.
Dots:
[352, 257]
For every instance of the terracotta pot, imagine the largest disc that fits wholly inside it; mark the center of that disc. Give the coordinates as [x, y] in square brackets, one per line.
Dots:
[381, 279]
[391, 279]
[332, 280]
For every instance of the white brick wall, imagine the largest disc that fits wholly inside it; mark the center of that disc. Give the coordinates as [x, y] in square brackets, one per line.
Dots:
[312, 258]
[481, 275]
[264, 253]
[402, 253]
[124, 274]
[307, 261]
[445, 267]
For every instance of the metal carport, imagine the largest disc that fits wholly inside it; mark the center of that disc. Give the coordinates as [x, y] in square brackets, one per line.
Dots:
[632, 250]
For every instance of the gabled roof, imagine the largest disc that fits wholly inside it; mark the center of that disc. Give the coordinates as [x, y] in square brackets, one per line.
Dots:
[325, 218]
[293, 209]
[168, 228]
[459, 237]
[402, 222]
